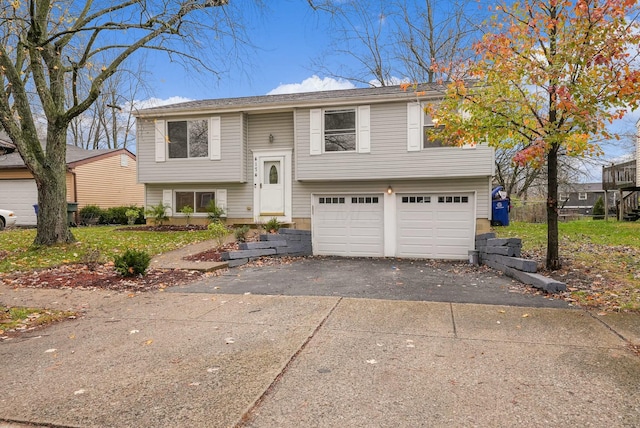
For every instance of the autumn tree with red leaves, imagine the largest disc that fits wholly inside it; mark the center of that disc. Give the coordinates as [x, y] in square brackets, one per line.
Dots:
[551, 76]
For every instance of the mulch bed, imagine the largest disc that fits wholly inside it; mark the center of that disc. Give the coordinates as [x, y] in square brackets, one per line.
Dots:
[79, 276]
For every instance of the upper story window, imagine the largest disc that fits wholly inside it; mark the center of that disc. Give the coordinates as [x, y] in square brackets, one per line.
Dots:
[340, 130]
[188, 139]
[430, 137]
[582, 196]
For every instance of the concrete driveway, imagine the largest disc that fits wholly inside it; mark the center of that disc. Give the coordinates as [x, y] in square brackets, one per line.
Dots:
[223, 358]
[375, 278]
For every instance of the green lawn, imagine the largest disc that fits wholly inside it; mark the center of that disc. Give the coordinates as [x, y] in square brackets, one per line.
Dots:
[18, 254]
[608, 252]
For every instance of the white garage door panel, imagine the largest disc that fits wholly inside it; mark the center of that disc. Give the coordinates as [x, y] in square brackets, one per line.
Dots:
[344, 227]
[19, 196]
[438, 226]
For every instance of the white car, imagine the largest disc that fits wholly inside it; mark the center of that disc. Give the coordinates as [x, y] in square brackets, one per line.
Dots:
[7, 218]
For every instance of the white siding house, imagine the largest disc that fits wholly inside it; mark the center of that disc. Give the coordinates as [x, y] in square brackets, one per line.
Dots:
[353, 166]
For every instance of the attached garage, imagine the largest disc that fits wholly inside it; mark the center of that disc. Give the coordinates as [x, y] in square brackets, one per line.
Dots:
[348, 225]
[19, 196]
[409, 225]
[434, 226]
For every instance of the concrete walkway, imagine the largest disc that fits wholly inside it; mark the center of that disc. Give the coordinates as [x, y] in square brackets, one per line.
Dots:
[202, 360]
[175, 259]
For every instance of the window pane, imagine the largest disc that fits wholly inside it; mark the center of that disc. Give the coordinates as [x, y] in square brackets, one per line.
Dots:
[177, 132]
[198, 139]
[340, 130]
[183, 199]
[431, 137]
[202, 201]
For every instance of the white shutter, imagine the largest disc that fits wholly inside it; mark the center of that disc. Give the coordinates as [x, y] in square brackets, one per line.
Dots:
[364, 129]
[221, 200]
[215, 138]
[414, 127]
[167, 200]
[160, 141]
[315, 119]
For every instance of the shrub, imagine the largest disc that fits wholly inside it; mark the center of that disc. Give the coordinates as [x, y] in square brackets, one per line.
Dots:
[214, 212]
[187, 211]
[598, 207]
[219, 232]
[91, 259]
[272, 225]
[132, 216]
[241, 233]
[132, 262]
[90, 214]
[158, 213]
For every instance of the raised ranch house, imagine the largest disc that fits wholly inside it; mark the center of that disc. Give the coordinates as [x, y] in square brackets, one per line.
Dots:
[105, 177]
[353, 166]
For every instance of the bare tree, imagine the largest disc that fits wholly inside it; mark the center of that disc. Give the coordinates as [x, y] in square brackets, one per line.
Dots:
[51, 45]
[398, 40]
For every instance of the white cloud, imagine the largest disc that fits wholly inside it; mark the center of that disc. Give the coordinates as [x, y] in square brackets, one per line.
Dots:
[393, 80]
[312, 84]
[156, 102]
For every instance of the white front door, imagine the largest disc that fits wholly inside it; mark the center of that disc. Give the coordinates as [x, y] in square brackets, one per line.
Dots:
[272, 185]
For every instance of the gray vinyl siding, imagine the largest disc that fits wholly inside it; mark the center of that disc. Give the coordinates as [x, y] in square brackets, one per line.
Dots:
[239, 195]
[228, 170]
[389, 157]
[482, 186]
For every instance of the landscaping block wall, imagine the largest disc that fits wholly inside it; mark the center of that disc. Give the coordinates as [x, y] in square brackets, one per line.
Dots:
[287, 242]
[503, 254]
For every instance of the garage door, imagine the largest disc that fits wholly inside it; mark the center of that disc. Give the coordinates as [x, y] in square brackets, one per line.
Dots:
[348, 225]
[435, 226]
[19, 196]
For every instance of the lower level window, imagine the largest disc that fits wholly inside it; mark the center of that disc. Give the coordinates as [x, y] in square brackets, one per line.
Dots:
[198, 201]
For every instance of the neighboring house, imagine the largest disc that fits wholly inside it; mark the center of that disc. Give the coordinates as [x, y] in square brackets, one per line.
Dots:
[624, 179]
[105, 178]
[579, 198]
[353, 166]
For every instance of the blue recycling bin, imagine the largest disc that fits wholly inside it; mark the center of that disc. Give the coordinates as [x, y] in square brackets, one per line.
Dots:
[500, 212]
[500, 206]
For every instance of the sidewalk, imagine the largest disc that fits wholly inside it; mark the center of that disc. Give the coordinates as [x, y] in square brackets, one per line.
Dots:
[175, 259]
[201, 360]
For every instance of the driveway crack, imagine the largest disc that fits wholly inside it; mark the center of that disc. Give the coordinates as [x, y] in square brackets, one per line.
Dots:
[247, 414]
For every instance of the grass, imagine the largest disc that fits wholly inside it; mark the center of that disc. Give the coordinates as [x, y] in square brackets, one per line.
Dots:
[21, 318]
[607, 252]
[18, 254]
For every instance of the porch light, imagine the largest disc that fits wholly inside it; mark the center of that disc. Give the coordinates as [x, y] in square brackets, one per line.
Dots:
[271, 138]
[389, 190]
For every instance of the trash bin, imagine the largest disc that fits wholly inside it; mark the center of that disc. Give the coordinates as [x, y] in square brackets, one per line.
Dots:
[500, 205]
[72, 208]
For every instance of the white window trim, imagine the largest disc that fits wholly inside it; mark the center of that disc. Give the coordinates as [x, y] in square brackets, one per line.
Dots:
[362, 129]
[169, 198]
[416, 123]
[162, 139]
[582, 196]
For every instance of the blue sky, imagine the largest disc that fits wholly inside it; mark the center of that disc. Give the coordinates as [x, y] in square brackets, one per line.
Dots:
[287, 38]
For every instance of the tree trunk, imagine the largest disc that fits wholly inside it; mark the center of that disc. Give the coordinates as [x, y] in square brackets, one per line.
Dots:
[53, 227]
[553, 257]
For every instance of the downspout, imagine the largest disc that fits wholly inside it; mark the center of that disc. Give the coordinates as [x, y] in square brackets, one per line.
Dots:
[75, 192]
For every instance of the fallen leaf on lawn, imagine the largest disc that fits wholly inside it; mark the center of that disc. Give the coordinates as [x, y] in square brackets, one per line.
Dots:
[502, 311]
[72, 336]
[525, 316]
[131, 295]
[148, 342]
[372, 362]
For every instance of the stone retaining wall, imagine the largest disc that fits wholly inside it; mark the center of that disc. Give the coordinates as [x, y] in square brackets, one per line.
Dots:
[504, 254]
[287, 242]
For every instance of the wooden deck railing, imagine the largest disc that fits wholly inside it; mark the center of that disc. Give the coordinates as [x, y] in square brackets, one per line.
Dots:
[619, 176]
